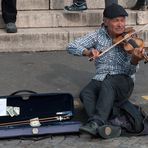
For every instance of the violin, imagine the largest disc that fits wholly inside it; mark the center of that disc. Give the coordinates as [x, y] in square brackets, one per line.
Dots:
[131, 43]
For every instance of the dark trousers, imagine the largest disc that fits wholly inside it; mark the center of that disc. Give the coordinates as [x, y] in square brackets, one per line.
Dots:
[79, 1]
[99, 97]
[9, 11]
[142, 2]
[109, 2]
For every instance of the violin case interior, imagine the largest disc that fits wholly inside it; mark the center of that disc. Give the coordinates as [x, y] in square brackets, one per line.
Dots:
[27, 113]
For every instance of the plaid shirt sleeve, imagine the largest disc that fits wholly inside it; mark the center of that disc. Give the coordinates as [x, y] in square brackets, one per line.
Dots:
[86, 42]
[132, 68]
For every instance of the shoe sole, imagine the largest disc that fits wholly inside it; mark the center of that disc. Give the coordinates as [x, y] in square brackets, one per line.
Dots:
[81, 130]
[11, 31]
[109, 131]
[78, 11]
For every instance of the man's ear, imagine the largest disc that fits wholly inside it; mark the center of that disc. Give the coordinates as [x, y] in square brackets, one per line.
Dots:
[105, 20]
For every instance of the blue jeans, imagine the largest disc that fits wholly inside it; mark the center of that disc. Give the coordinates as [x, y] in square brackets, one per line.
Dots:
[99, 97]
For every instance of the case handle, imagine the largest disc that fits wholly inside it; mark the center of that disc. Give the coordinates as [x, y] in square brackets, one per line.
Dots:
[23, 91]
[25, 94]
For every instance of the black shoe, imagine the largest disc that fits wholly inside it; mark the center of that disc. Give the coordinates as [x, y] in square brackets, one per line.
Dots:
[11, 28]
[76, 7]
[90, 128]
[109, 131]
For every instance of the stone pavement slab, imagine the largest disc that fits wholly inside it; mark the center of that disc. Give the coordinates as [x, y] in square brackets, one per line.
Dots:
[55, 71]
[44, 72]
[74, 141]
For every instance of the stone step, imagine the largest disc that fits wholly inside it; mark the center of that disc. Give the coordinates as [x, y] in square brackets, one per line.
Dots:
[37, 14]
[45, 39]
[60, 18]
[59, 4]
[63, 19]
[31, 4]
[92, 4]
[39, 39]
[44, 25]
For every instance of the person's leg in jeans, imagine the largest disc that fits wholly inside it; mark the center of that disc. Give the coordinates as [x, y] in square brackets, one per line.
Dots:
[9, 13]
[112, 91]
[78, 5]
[89, 97]
[109, 91]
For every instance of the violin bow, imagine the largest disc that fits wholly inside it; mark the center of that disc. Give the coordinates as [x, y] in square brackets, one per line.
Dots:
[125, 37]
[42, 120]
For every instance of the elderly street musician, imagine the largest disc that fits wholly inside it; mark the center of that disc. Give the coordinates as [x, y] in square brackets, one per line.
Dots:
[115, 71]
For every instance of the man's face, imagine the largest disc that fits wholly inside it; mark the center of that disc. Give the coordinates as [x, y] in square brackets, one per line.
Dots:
[115, 26]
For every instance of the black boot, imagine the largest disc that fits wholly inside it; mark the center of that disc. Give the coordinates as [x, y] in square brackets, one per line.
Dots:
[90, 127]
[104, 131]
[11, 28]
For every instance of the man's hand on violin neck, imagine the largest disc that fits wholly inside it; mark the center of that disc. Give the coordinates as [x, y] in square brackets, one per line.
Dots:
[137, 55]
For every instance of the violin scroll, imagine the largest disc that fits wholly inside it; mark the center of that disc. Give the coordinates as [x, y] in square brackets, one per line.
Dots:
[145, 57]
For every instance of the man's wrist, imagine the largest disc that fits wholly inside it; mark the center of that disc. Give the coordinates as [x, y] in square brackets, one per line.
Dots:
[134, 61]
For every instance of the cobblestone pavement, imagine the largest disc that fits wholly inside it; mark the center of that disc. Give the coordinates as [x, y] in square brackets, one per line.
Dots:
[60, 72]
[74, 141]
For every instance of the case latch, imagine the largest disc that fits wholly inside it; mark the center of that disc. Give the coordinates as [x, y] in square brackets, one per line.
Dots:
[35, 131]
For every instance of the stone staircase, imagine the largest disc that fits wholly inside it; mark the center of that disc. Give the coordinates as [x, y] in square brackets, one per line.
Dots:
[44, 26]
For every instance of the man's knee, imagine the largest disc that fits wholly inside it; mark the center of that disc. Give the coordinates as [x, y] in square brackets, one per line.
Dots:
[82, 95]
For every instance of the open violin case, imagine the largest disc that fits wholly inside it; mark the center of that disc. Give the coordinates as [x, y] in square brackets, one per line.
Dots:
[27, 113]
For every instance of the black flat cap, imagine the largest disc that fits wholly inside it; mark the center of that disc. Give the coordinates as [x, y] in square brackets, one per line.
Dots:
[114, 10]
